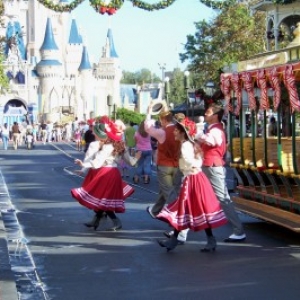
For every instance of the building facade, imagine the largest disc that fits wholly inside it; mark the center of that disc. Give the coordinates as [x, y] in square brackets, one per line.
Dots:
[50, 75]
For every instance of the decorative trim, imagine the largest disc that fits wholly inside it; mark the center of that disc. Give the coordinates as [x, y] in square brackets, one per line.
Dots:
[102, 7]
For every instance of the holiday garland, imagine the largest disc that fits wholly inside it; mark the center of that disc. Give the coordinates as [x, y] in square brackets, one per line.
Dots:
[106, 7]
[112, 6]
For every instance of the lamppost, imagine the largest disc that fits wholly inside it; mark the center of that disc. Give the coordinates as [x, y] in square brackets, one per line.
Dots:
[115, 111]
[162, 66]
[109, 103]
[186, 87]
[210, 86]
[167, 89]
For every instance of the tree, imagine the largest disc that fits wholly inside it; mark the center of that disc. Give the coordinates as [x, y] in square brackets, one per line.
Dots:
[177, 92]
[232, 36]
[128, 116]
[139, 77]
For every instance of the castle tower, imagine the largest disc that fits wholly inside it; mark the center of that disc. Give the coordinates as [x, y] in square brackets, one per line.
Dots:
[86, 103]
[53, 81]
[73, 50]
[50, 72]
[109, 72]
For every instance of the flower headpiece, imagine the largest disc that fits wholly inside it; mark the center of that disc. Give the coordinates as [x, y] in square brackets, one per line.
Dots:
[110, 128]
[188, 125]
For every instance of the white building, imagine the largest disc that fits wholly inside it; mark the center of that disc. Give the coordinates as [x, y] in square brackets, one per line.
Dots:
[50, 75]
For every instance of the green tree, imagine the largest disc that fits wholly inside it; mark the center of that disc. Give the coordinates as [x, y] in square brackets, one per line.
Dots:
[139, 77]
[128, 116]
[177, 91]
[233, 35]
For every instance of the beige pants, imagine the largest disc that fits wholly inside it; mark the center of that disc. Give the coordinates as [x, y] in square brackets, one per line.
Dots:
[16, 140]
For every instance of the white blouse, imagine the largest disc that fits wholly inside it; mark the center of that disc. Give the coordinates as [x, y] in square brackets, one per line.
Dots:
[188, 162]
[96, 158]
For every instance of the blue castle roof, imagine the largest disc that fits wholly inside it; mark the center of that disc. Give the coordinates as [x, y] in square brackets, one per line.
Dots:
[49, 42]
[75, 37]
[113, 52]
[85, 62]
[49, 62]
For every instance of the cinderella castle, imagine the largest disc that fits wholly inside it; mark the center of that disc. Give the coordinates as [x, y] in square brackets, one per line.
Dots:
[51, 77]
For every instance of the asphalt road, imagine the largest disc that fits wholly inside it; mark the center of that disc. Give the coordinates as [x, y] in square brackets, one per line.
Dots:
[52, 255]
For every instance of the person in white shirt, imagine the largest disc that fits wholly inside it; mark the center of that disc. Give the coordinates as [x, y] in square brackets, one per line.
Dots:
[5, 136]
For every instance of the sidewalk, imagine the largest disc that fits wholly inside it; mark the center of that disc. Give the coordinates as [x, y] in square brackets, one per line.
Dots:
[8, 290]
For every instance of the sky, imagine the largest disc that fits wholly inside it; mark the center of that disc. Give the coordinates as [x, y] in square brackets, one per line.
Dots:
[142, 39]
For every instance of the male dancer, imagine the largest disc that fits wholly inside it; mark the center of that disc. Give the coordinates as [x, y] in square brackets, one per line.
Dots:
[213, 144]
[168, 150]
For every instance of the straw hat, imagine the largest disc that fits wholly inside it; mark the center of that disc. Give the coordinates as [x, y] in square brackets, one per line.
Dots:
[188, 125]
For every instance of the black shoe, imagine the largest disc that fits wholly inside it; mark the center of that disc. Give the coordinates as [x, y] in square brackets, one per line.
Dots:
[210, 245]
[96, 220]
[170, 233]
[117, 225]
[92, 222]
[170, 244]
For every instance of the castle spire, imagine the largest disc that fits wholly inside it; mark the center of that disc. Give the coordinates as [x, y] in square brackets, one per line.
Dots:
[85, 62]
[75, 37]
[112, 50]
[49, 42]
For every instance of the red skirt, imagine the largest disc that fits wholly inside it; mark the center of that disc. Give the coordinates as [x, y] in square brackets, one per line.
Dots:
[103, 189]
[196, 207]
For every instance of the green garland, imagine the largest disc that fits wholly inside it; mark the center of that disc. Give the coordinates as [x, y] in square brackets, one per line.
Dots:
[218, 4]
[98, 4]
[62, 7]
[114, 5]
[150, 7]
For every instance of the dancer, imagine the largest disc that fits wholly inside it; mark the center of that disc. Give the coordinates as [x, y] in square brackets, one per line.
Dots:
[196, 207]
[213, 144]
[103, 189]
[168, 174]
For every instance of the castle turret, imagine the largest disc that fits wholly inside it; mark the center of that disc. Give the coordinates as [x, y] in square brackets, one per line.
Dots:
[85, 105]
[109, 72]
[49, 70]
[73, 50]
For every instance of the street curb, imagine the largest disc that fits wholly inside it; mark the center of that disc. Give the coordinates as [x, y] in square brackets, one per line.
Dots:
[8, 289]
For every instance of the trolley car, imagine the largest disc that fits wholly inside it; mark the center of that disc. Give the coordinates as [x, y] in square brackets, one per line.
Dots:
[267, 167]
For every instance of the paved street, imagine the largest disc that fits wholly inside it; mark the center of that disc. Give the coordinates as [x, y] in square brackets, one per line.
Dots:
[47, 253]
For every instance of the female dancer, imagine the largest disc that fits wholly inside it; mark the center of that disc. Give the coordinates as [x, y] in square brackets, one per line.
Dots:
[103, 189]
[196, 207]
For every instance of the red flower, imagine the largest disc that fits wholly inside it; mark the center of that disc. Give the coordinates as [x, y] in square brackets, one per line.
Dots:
[190, 127]
[102, 10]
[111, 11]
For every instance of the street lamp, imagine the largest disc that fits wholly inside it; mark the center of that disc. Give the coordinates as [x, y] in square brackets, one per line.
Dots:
[187, 86]
[109, 103]
[167, 89]
[162, 66]
[210, 86]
